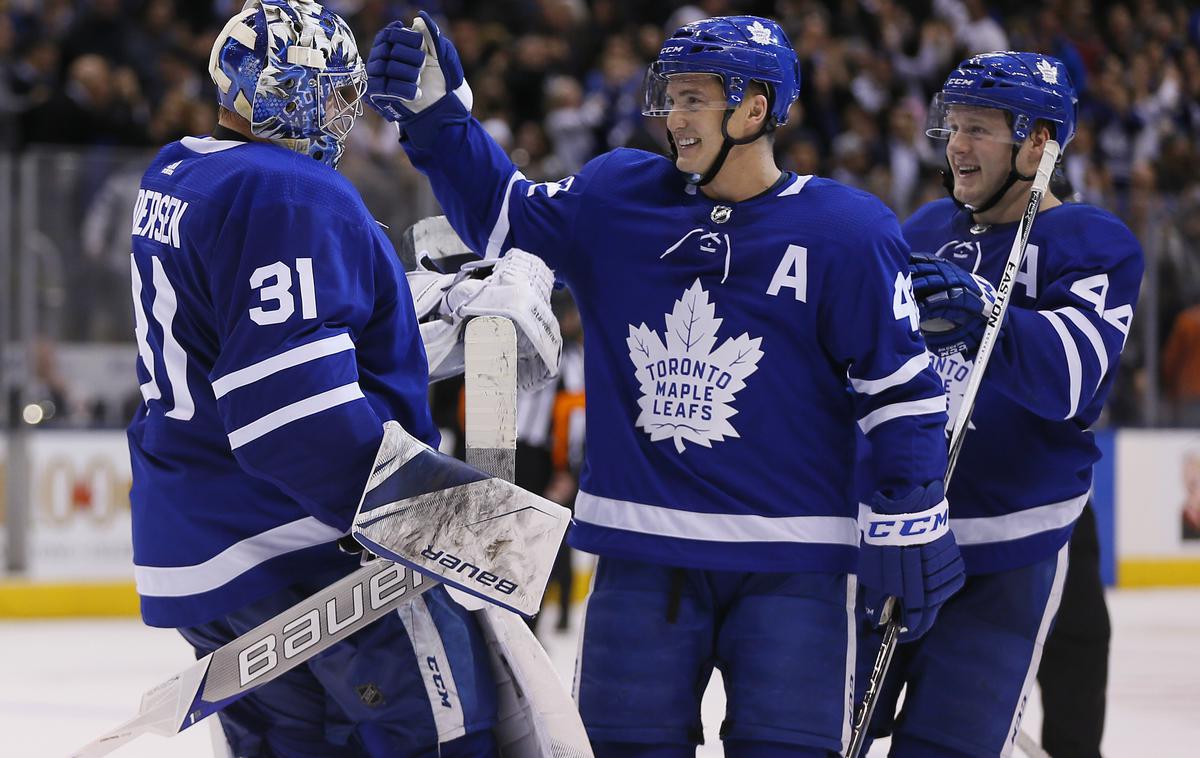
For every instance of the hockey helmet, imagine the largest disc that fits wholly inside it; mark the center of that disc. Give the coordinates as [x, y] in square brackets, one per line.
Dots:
[738, 49]
[292, 69]
[1029, 86]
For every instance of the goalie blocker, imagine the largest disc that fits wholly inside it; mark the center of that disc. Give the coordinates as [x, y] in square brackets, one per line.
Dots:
[474, 532]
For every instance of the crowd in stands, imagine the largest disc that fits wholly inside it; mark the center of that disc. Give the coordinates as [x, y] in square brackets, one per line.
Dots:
[558, 81]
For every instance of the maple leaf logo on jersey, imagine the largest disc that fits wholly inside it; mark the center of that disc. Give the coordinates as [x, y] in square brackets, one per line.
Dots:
[687, 387]
[1048, 71]
[760, 33]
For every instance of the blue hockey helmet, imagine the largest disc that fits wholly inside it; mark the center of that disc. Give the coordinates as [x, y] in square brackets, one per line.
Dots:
[738, 49]
[292, 69]
[1030, 86]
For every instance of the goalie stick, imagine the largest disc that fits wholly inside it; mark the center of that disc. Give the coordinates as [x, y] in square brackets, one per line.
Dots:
[887, 648]
[536, 718]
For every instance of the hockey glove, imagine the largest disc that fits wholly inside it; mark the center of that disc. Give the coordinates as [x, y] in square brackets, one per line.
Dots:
[955, 305]
[909, 553]
[516, 286]
[412, 68]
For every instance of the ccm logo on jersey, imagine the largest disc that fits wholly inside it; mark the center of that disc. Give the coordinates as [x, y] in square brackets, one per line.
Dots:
[157, 215]
[459, 566]
[905, 528]
[302, 632]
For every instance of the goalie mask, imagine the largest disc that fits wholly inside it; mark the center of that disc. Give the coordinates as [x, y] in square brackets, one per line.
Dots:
[292, 69]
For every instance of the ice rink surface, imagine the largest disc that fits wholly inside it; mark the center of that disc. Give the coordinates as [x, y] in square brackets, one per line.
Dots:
[64, 682]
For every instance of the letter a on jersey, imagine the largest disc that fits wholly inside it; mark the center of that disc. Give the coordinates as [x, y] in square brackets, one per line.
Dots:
[688, 387]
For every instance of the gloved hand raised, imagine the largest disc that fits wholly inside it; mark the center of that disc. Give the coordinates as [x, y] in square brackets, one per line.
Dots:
[954, 303]
[410, 69]
[908, 552]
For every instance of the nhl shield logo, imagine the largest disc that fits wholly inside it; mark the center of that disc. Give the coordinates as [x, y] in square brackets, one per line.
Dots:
[689, 384]
[370, 695]
[720, 214]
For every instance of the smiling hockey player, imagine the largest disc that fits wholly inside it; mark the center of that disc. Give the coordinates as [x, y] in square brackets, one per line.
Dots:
[740, 321]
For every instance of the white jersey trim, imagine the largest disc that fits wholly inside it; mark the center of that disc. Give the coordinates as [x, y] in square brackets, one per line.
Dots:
[285, 360]
[205, 145]
[900, 410]
[1014, 526]
[287, 414]
[713, 527]
[796, 185]
[1081, 322]
[1071, 352]
[500, 230]
[233, 561]
[905, 373]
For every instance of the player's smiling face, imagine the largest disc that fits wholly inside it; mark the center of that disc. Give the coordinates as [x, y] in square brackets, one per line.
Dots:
[698, 105]
[979, 152]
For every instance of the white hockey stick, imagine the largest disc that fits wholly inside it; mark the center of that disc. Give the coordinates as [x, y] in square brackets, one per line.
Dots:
[536, 717]
[887, 649]
[266, 652]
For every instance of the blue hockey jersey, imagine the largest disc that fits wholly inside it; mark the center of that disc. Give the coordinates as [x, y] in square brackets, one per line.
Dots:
[731, 349]
[275, 334]
[1025, 470]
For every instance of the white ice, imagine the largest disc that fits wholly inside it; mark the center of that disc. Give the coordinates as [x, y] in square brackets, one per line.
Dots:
[64, 682]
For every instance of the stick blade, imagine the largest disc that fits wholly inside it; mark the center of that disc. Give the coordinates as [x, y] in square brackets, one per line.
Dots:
[433, 238]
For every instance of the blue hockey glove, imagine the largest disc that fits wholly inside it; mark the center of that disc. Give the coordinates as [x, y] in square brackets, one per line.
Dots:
[411, 69]
[909, 553]
[954, 304]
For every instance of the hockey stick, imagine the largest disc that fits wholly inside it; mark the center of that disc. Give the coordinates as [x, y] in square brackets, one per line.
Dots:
[536, 718]
[887, 649]
[266, 652]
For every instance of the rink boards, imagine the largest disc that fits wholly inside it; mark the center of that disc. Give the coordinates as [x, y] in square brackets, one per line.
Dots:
[72, 520]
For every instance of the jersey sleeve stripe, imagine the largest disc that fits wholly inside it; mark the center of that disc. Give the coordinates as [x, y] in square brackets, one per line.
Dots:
[233, 561]
[294, 412]
[1081, 322]
[287, 359]
[905, 373]
[500, 230]
[1071, 351]
[1018, 524]
[900, 410]
[713, 527]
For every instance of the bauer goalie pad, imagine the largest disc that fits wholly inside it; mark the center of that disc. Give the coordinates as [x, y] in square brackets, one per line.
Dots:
[266, 652]
[438, 515]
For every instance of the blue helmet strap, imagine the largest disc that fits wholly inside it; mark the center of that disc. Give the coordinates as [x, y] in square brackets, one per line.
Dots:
[1013, 177]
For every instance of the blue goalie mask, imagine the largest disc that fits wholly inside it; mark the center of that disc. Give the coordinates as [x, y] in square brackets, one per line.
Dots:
[1029, 86]
[738, 49]
[292, 69]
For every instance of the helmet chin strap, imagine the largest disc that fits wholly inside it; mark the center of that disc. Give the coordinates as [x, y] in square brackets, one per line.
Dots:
[727, 144]
[1013, 177]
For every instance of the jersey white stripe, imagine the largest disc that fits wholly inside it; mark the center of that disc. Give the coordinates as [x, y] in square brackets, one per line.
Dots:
[1052, 603]
[233, 561]
[1093, 336]
[1071, 351]
[713, 527]
[174, 357]
[207, 145]
[434, 665]
[796, 185]
[500, 230]
[294, 412]
[905, 373]
[287, 359]
[900, 410]
[1014, 526]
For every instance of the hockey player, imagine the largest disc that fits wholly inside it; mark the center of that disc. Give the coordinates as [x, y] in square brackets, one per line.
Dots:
[740, 322]
[1025, 470]
[275, 335]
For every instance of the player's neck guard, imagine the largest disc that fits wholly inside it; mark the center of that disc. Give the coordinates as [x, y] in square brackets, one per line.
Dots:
[1013, 177]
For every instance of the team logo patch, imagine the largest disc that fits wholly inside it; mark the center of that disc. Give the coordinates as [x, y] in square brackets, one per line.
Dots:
[688, 387]
[1048, 71]
[760, 33]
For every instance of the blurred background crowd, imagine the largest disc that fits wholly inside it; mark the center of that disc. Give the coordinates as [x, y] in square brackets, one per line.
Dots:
[558, 81]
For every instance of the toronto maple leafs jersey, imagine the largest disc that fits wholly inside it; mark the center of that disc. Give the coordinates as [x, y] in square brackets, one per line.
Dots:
[275, 335]
[1025, 470]
[731, 349]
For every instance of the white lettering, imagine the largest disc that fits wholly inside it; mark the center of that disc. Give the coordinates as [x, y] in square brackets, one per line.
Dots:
[792, 272]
